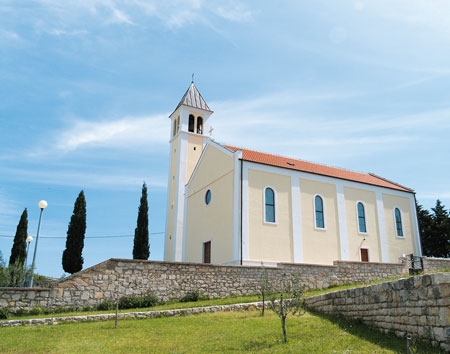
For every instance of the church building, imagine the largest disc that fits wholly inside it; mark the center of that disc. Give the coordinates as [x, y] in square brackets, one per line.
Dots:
[229, 205]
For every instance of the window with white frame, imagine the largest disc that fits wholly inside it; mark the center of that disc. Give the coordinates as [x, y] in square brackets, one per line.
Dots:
[319, 212]
[269, 202]
[398, 223]
[361, 217]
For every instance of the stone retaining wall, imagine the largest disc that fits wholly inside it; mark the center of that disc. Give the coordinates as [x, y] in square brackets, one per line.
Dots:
[118, 277]
[131, 315]
[418, 306]
[435, 264]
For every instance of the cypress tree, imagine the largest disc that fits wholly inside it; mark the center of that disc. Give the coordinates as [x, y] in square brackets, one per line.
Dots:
[19, 248]
[141, 247]
[72, 260]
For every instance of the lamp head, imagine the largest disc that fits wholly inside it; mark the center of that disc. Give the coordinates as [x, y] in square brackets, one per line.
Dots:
[42, 204]
[29, 239]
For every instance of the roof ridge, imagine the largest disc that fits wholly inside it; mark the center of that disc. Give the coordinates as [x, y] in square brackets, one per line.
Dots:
[317, 168]
[308, 161]
[388, 180]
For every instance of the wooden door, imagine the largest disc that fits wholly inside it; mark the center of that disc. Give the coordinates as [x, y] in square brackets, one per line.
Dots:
[207, 252]
[364, 255]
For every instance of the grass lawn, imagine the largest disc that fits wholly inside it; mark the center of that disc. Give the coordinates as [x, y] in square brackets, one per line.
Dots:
[225, 332]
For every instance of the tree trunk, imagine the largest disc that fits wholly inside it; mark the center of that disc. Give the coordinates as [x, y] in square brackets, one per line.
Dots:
[283, 325]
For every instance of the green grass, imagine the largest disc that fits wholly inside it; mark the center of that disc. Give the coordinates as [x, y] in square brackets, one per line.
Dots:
[166, 306]
[224, 332]
[178, 305]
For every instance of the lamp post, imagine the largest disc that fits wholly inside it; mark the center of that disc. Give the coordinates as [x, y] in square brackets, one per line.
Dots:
[29, 239]
[42, 205]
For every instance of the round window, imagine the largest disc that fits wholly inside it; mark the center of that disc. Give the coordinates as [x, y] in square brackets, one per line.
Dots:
[208, 196]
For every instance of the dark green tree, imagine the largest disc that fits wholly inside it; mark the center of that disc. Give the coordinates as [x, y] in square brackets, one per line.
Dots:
[72, 259]
[424, 218]
[434, 230]
[19, 248]
[440, 231]
[141, 247]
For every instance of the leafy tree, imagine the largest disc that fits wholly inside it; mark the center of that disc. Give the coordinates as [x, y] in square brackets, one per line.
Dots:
[440, 230]
[4, 279]
[141, 247]
[14, 274]
[19, 248]
[287, 299]
[72, 260]
[435, 230]
[424, 218]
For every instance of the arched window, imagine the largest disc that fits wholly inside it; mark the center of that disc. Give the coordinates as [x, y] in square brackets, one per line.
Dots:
[269, 200]
[208, 197]
[361, 217]
[199, 125]
[191, 123]
[398, 222]
[318, 207]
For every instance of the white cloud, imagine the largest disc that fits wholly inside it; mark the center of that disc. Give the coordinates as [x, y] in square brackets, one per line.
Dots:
[233, 12]
[124, 133]
[174, 13]
[72, 33]
[9, 36]
[277, 125]
[120, 17]
[100, 176]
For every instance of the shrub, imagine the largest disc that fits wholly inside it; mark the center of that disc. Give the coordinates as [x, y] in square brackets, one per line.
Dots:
[36, 311]
[21, 312]
[129, 302]
[106, 305]
[150, 300]
[4, 313]
[193, 296]
[134, 302]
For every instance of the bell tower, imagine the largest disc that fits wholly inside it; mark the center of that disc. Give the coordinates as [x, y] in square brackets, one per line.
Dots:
[189, 134]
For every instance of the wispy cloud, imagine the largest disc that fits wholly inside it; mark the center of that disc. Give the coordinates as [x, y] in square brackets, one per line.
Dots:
[71, 33]
[124, 133]
[101, 178]
[174, 13]
[119, 16]
[234, 12]
[283, 127]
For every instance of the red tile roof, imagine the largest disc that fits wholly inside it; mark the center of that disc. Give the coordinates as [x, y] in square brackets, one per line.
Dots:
[304, 166]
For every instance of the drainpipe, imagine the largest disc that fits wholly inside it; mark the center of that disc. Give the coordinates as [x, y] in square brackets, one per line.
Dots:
[242, 167]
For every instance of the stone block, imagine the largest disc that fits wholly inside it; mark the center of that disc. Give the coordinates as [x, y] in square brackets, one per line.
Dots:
[98, 295]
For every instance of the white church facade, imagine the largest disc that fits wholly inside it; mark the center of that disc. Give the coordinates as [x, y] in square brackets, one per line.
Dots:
[228, 205]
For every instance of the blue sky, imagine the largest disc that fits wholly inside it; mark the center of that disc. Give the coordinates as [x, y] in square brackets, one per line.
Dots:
[87, 86]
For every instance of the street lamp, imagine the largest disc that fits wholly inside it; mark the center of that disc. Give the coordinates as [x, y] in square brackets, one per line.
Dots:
[42, 205]
[29, 239]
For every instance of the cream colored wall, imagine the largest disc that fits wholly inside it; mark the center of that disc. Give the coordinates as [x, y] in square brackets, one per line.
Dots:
[168, 247]
[213, 222]
[357, 240]
[398, 245]
[269, 242]
[194, 150]
[320, 246]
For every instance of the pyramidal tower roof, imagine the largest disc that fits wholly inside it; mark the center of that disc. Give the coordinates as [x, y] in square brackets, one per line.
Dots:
[193, 98]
